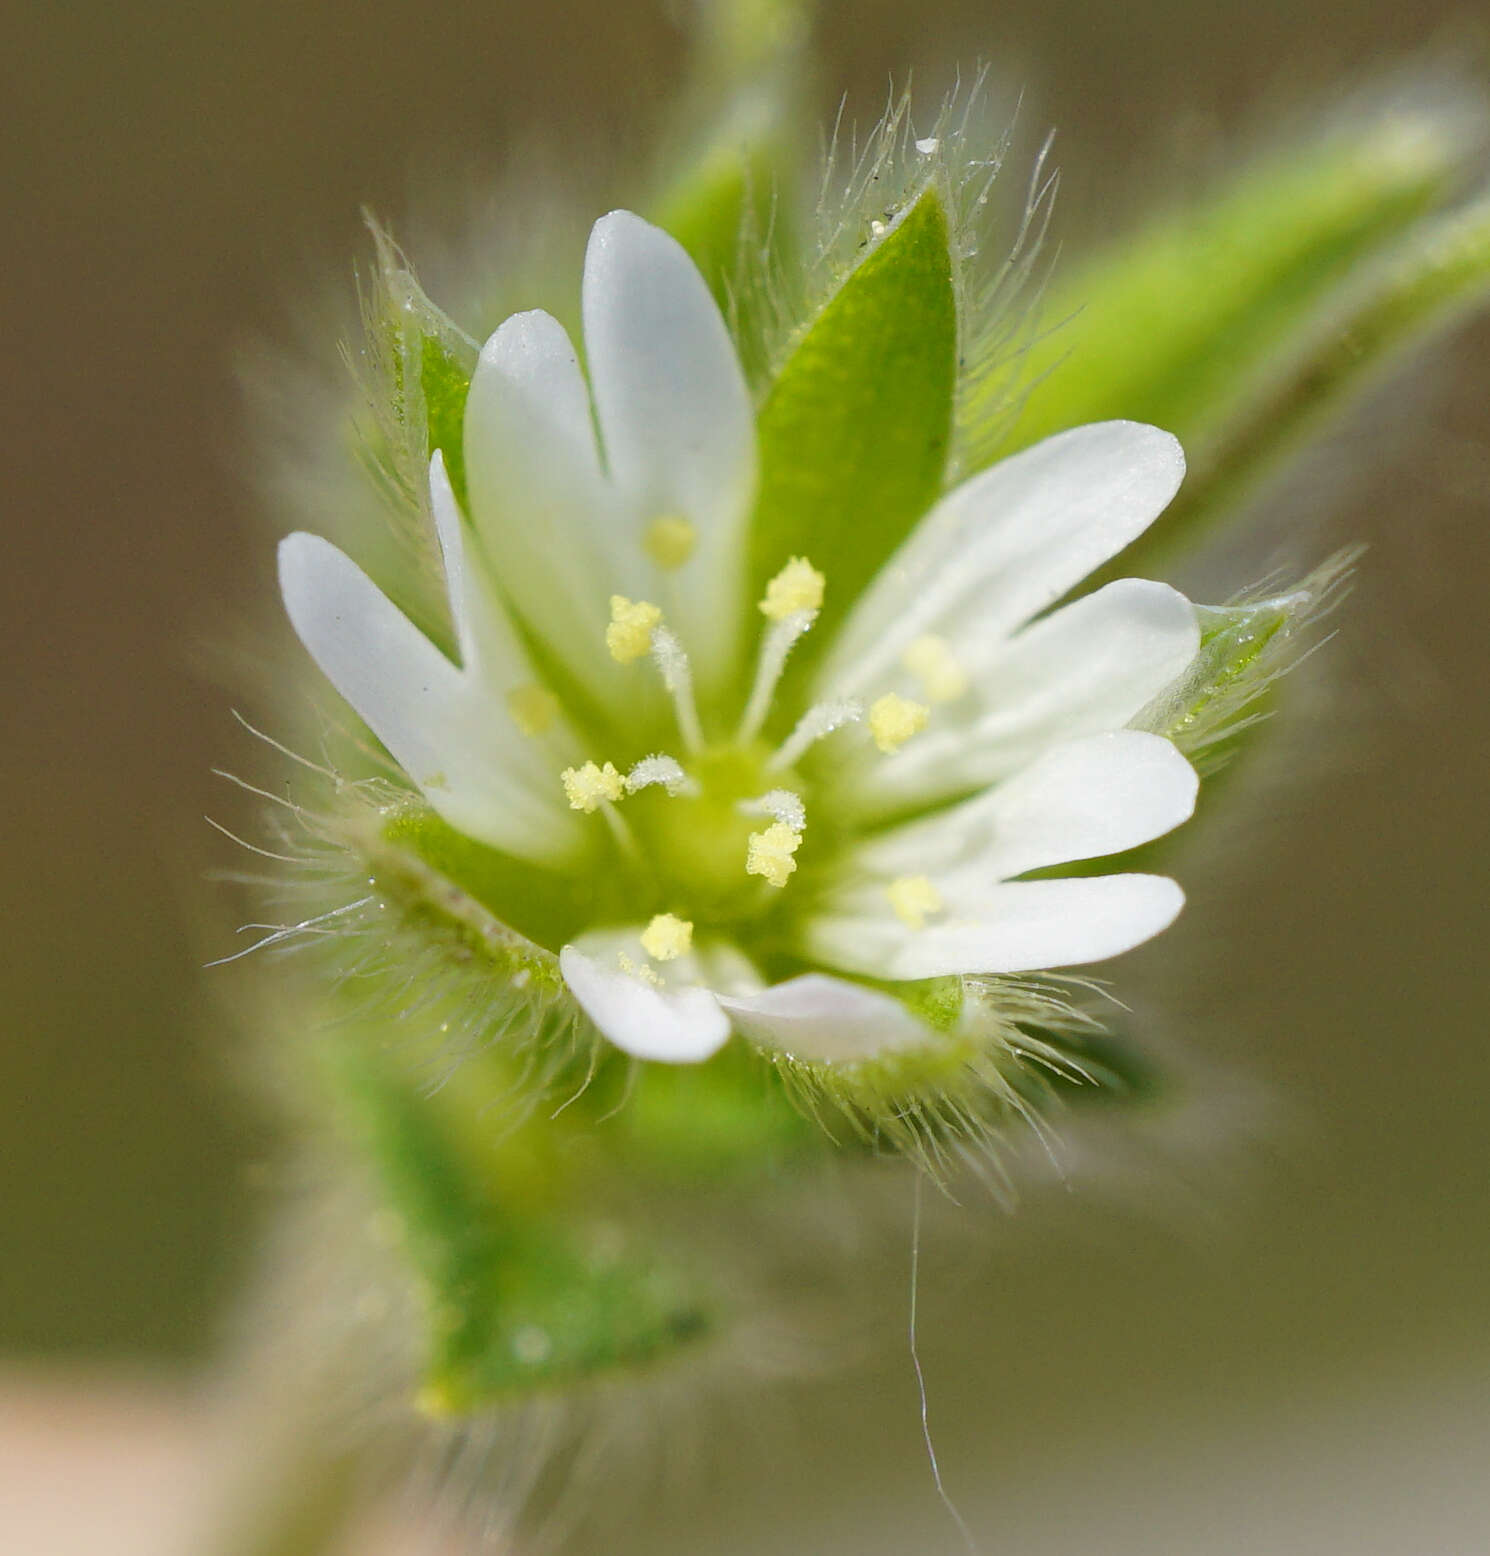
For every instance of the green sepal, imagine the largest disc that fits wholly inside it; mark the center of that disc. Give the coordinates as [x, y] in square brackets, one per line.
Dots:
[427, 363]
[1090, 1068]
[854, 431]
[414, 368]
[1244, 648]
[726, 1120]
[445, 381]
[544, 907]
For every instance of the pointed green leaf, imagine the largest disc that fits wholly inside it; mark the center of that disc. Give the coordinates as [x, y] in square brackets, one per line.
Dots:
[1177, 323]
[854, 431]
[1439, 274]
[518, 1298]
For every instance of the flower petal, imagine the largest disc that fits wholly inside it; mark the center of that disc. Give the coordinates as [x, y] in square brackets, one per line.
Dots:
[1020, 927]
[682, 1025]
[675, 419]
[538, 497]
[439, 723]
[826, 1019]
[1007, 545]
[1090, 666]
[1081, 800]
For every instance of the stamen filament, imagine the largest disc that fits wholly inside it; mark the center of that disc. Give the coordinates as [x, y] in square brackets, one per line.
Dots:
[776, 644]
[822, 718]
[677, 675]
[622, 833]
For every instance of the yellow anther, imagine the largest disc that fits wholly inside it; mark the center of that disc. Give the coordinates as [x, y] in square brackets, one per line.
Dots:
[914, 898]
[893, 719]
[932, 662]
[797, 587]
[586, 787]
[532, 708]
[666, 937]
[629, 635]
[669, 540]
[648, 975]
[770, 853]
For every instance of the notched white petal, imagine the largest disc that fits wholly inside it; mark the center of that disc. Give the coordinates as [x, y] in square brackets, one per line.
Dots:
[538, 497]
[1023, 926]
[828, 1020]
[675, 419]
[1082, 800]
[1007, 545]
[1091, 666]
[437, 722]
[672, 1024]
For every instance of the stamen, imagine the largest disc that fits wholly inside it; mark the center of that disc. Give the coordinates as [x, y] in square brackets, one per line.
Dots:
[775, 646]
[667, 937]
[914, 898]
[931, 660]
[822, 718]
[769, 853]
[632, 623]
[661, 770]
[588, 787]
[797, 587]
[677, 676]
[780, 805]
[670, 540]
[532, 708]
[893, 719]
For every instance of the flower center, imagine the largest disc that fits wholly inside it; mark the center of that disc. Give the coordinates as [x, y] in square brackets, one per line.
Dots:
[714, 832]
[698, 842]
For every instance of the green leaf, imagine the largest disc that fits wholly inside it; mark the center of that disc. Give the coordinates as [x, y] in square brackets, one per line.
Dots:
[1436, 277]
[519, 1298]
[1172, 324]
[855, 429]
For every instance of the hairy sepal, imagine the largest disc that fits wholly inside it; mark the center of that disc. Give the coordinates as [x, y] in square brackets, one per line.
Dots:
[415, 369]
[855, 429]
[1244, 648]
[997, 1050]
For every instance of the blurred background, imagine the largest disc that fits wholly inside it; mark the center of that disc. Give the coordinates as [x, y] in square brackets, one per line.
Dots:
[1273, 1346]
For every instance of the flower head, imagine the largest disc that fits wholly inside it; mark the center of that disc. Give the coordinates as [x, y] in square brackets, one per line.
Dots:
[749, 850]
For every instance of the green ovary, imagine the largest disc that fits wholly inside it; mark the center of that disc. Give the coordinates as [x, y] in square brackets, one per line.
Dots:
[695, 846]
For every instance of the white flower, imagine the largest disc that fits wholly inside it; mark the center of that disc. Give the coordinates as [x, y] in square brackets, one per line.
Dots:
[608, 715]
